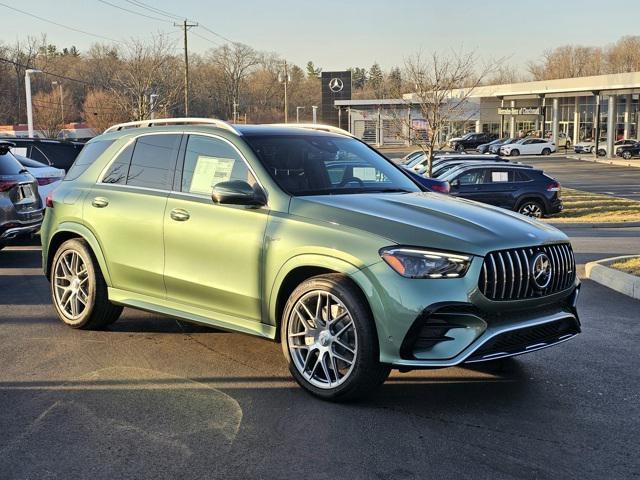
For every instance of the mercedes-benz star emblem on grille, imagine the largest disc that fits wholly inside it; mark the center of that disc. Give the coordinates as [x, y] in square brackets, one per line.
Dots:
[336, 85]
[541, 270]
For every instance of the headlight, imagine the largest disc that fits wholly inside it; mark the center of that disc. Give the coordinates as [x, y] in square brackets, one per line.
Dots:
[417, 263]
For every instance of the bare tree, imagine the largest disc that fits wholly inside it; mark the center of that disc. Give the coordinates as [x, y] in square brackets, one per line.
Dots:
[101, 111]
[146, 69]
[443, 85]
[235, 62]
[47, 111]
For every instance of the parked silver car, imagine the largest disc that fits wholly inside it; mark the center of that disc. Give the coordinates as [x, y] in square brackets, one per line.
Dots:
[21, 210]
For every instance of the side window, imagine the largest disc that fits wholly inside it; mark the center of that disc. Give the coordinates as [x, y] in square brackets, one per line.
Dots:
[38, 155]
[472, 177]
[209, 161]
[154, 161]
[89, 153]
[500, 176]
[117, 171]
[520, 176]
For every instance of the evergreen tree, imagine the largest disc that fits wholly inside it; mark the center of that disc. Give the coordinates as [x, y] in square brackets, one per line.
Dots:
[358, 77]
[376, 79]
[312, 70]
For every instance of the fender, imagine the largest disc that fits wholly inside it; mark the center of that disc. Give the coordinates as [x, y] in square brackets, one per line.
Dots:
[89, 237]
[304, 260]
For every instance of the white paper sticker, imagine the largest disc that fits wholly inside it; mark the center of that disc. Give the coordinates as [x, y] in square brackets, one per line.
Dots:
[365, 173]
[499, 176]
[19, 151]
[210, 171]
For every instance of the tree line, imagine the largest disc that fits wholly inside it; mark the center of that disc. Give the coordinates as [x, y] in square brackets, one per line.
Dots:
[107, 84]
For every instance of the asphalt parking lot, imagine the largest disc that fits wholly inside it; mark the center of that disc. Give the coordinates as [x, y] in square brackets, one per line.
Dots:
[156, 398]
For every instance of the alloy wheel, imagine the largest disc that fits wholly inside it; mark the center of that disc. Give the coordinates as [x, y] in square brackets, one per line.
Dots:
[531, 210]
[71, 285]
[322, 339]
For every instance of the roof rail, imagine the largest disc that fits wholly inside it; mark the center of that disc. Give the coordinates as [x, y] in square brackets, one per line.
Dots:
[315, 126]
[173, 121]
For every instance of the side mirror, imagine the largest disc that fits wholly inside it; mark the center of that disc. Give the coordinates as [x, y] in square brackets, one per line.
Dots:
[455, 184]
[238, 192]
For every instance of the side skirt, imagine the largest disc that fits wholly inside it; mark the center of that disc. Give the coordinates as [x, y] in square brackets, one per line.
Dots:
[191, 314]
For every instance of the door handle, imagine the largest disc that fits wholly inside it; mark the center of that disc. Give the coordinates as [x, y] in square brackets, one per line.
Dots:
[100, 202]
[179, 215]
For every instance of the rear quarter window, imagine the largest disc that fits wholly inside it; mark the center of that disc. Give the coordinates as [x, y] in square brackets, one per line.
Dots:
[87, 156]
[9, 165]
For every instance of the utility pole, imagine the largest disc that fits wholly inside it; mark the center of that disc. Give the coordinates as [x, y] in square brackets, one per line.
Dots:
[27, 88]
[285, 79]
[186, 25]
[59, 84]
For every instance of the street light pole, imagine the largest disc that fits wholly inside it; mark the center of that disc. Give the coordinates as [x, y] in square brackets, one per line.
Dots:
[285, 79]
[298, 113]
[27, 87]
[153, 100]
[315, 113]
[59, 84]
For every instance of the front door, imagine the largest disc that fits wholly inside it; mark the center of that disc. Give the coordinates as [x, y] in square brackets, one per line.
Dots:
[213, 253]
[125, 210]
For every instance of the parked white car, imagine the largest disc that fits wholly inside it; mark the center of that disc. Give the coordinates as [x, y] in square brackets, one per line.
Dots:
[48, 177]
[528, 146]
[586, 146]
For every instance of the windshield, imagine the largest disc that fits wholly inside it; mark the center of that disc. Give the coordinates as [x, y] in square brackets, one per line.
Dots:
[327, 165]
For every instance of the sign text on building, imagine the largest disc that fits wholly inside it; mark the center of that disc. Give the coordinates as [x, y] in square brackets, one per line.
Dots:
[519, 111]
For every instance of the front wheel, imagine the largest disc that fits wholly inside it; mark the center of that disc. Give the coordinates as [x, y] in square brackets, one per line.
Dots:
[531, 208]
[546, 152]
[459, 148]
[602, 152]
[329, 339]
[514, 153]
[626, 155]
[78, 290]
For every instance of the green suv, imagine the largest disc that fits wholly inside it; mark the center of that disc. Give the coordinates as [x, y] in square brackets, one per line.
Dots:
[303, 235]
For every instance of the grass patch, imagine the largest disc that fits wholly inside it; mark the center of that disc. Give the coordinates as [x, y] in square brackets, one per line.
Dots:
[630, 265]
[590, 207]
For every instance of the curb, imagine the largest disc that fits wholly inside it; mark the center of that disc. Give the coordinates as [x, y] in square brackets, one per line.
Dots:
[621, 282]
[608, 161]
[592, 225]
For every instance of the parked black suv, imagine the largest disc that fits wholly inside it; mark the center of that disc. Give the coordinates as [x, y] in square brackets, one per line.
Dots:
[519, 188]
[56, 153]
[472, 140]
[629, 151]
[20, 205]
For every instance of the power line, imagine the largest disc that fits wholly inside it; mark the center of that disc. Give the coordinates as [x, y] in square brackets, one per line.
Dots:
[204, 27]
[155, 10]
[60, 24]
[132, 11]
[64, 77]
[206, 39]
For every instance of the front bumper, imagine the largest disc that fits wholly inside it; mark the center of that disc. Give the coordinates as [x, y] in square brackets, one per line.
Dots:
[442, 323]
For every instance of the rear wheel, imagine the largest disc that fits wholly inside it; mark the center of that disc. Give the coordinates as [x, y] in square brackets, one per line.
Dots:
[602, 152]
[78, 290]
[531, 208]
[546, 151]
[514, 153]
[626, 155]
[329, 339]
[459, 148]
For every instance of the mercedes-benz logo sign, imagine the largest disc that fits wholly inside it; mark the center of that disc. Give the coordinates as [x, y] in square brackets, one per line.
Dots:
[336, 85]
[541, 270]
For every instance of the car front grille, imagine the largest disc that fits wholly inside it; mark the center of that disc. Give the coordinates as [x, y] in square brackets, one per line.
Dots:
[508, 274]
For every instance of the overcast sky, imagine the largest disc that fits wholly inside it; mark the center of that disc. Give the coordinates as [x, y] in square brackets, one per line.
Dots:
[336, 34]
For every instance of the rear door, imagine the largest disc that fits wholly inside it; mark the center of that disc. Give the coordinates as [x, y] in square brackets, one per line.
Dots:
[499, 186]
[125, 210]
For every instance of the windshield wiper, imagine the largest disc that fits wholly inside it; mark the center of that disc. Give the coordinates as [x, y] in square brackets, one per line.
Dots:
[387, 190]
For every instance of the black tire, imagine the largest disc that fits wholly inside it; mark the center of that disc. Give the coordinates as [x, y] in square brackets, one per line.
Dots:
[514, 153]
[459, 148]
[602, 152]
[626, 155]
[531, 208]
[546, 151]
[367, 373]
[98, 311]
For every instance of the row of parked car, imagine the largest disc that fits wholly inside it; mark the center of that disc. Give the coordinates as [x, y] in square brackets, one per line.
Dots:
[510, 146]
[626, 148]
[488, 179]
[30, 169]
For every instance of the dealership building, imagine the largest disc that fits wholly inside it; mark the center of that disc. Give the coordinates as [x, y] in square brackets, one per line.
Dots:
[580, 109]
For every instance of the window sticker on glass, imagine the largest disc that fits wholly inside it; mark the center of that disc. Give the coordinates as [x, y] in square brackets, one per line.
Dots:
[499, 176]
[210, 171]
[365, 173]
[19, 151]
